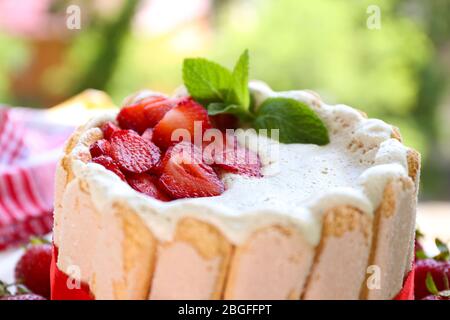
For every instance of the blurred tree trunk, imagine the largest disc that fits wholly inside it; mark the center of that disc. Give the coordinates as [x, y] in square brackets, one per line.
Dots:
[99, 73]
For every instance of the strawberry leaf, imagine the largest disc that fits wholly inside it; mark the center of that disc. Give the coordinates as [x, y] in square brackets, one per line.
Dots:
[444, 253]
[421, 255]
[431, 286]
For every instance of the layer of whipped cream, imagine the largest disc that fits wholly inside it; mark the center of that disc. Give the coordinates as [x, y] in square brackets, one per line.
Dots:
[300, 181]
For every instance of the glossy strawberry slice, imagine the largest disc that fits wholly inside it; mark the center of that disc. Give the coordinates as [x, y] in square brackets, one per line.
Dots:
[100, 148]
[108, 128]
[155, 111]
[184, 175]
[109, 164]
[132, 153]
[233, 157]
[146, 184]
[183, 116]
[133, 116]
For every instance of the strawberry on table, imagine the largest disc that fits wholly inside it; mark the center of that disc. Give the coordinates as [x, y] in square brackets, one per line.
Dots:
[33, 268]
[146, 184]
[184, 175]
[435, 294]
[182, 116]
[109, 164]
[132, 153]
[438, 268]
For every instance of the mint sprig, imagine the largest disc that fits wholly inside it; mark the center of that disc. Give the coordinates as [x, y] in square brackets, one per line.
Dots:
[221, 91]
[298, 122]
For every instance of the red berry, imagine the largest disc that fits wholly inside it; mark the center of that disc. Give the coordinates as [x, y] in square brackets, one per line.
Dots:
[148, 134]
[146, 184]
[33, 269]
[133, 116]
[155, 111]
[184, 175]
[109, 164]
[437, 269]
[132, 153]
[100, 148]
[108, 128]
[24, 296]
[233, 157]
[183, 116]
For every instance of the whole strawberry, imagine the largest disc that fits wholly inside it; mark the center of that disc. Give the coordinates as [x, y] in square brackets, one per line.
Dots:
[437, 269]
[33, 268]
[435, 293]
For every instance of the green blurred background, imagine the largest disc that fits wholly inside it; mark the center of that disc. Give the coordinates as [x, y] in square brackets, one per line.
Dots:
[399, 72]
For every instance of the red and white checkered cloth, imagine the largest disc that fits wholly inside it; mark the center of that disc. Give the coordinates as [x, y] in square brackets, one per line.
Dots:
[30, 143]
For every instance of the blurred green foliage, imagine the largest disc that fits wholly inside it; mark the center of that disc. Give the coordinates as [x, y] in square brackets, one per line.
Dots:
[395, 73]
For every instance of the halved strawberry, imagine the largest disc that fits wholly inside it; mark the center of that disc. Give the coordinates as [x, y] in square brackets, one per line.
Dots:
[155, 111]
[183, 116]
[233, 157]
[133, 116]
[146, 184]
[99, 148]
[132, 153]
[109, 164]
[108, 128]
[184, 175]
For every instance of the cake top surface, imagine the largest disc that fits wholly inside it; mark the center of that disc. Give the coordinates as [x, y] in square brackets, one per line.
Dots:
[300, 181]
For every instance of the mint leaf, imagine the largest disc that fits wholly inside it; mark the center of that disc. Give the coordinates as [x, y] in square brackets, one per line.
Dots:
[216, 108]
[295, 120]
[239, 93]
[205, 80]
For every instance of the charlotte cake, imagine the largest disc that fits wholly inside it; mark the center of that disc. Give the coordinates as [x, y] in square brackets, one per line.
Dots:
[309, 228]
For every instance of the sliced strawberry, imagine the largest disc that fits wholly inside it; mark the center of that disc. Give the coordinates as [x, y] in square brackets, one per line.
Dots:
[132, 153]
[184, 175]
[133, 116]
[100, 148]
[233, 157]
[108, 128]
[148, 134]
[109, 164]
[146, 184]
[155, 111]
[182, 116]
